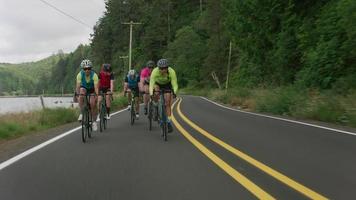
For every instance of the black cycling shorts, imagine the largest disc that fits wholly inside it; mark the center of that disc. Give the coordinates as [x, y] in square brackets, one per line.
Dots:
[135, 91]
[89, 91]
[104, 90]
[167, 86]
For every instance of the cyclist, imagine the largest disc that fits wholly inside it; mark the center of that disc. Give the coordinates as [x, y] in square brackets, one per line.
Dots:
[87, 82]
[145, 81]
[106, 86]
[164, 77]
[131, 86]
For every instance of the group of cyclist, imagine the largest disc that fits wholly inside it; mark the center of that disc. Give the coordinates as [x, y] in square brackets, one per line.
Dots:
[149, 82]
[89, 82]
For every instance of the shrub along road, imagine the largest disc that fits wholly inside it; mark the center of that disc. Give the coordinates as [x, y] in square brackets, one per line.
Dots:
[240, 156]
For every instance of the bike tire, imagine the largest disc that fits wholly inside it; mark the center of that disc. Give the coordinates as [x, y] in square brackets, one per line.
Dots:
[133, 114]
[89, 124]
[150, 115]
[102, 118]
[84, 125]
[164, 130]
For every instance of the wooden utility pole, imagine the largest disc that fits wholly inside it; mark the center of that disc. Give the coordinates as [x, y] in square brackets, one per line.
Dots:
[131, 23]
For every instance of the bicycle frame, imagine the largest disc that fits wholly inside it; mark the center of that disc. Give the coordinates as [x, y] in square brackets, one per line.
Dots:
[162, 114]
[87, 117]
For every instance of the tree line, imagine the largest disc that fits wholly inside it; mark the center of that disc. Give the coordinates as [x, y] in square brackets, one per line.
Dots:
[307, 43]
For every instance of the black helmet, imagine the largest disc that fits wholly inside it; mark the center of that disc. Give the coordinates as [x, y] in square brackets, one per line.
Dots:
[150, 64]
[107, 67]
[162, 63]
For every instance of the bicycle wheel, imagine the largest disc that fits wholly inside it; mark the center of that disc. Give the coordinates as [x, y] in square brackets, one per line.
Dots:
[150, 115]
[90, 124]
[164, 131]
[133, 113]
[102, 117]
[85, 121]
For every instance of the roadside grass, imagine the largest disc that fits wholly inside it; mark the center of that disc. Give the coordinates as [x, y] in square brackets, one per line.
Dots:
[291, 101]
[15, 125]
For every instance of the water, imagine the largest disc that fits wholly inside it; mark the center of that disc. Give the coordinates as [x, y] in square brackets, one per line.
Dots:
[26, 104]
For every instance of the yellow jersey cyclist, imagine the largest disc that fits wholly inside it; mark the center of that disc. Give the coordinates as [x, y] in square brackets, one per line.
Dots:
[87, 82]
[164, 77]
[131, 86]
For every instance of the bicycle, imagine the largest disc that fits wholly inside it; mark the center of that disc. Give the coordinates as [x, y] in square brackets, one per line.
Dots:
[87, 118]
[133, 108]
[162, 115]
[151, 114]
[103, 112]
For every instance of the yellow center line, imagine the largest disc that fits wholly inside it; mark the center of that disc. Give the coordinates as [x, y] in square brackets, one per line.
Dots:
[249, 185]
[277, 175]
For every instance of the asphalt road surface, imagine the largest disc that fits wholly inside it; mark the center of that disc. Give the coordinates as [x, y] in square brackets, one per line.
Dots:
[213, 153]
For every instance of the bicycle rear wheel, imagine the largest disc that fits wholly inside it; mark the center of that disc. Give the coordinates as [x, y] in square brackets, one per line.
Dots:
[164, 131]
[85, 122]
[102, 117]
[90, 124]
[133, 112]
[150, 115]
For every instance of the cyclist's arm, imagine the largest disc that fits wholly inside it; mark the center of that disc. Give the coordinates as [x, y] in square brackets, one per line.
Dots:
[126, 84]
[79, 79]
[96, 84]
[112, 80]
[153, 80]
[174, 81]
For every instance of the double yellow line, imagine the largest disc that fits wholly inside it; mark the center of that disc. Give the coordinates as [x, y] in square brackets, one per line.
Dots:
[249, 185]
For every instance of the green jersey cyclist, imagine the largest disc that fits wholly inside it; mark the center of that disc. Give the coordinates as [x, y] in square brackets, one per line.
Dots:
[164, 77]
[87, 83]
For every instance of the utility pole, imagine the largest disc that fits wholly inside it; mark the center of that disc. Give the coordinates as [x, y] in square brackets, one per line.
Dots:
[131, 23]
[228, 67]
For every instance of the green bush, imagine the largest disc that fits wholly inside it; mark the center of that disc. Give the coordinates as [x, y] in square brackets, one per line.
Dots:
[281, 101]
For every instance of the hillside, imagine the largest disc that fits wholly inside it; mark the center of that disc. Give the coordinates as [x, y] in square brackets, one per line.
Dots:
[21, 79]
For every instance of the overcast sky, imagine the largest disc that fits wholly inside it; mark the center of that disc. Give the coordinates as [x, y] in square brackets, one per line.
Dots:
[31, 30]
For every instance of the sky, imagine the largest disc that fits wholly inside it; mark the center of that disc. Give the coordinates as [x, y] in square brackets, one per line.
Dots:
[30, 30]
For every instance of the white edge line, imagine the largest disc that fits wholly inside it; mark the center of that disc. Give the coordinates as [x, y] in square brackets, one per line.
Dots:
[297, 122]
[40, 146]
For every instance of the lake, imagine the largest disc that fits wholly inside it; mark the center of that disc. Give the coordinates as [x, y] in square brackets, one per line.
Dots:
[26, 104]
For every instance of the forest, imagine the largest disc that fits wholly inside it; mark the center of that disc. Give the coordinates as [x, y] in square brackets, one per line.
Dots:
[274, 43]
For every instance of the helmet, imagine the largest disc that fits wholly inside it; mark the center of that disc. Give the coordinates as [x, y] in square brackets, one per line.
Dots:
[162, 63]
[86, 63]
[132, 72]
[107, 67]
[150, 64]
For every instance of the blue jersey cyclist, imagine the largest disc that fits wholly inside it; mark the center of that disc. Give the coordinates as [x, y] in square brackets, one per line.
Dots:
[87, 83]
[131, 86]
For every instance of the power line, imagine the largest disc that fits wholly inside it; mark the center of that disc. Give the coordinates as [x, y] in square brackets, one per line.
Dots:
[64, 13]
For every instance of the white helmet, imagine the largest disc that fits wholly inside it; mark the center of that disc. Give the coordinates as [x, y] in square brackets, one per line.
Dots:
[86, 63]
[132, 72]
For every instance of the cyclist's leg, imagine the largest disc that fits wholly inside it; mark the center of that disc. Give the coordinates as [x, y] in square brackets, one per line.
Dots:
[100, 98]
[82, 93]
[168, 101]
[108, 103]
[156, 93]
[93, 105]
[137, 95]
[146, 96]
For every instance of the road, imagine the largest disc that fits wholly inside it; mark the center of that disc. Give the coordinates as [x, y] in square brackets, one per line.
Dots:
[213, 153]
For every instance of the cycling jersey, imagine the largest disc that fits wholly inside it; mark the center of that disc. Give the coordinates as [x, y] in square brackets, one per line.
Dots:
[87, 82]
[145, 73]
[105, 79]
[132, 83]
[157, 77]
